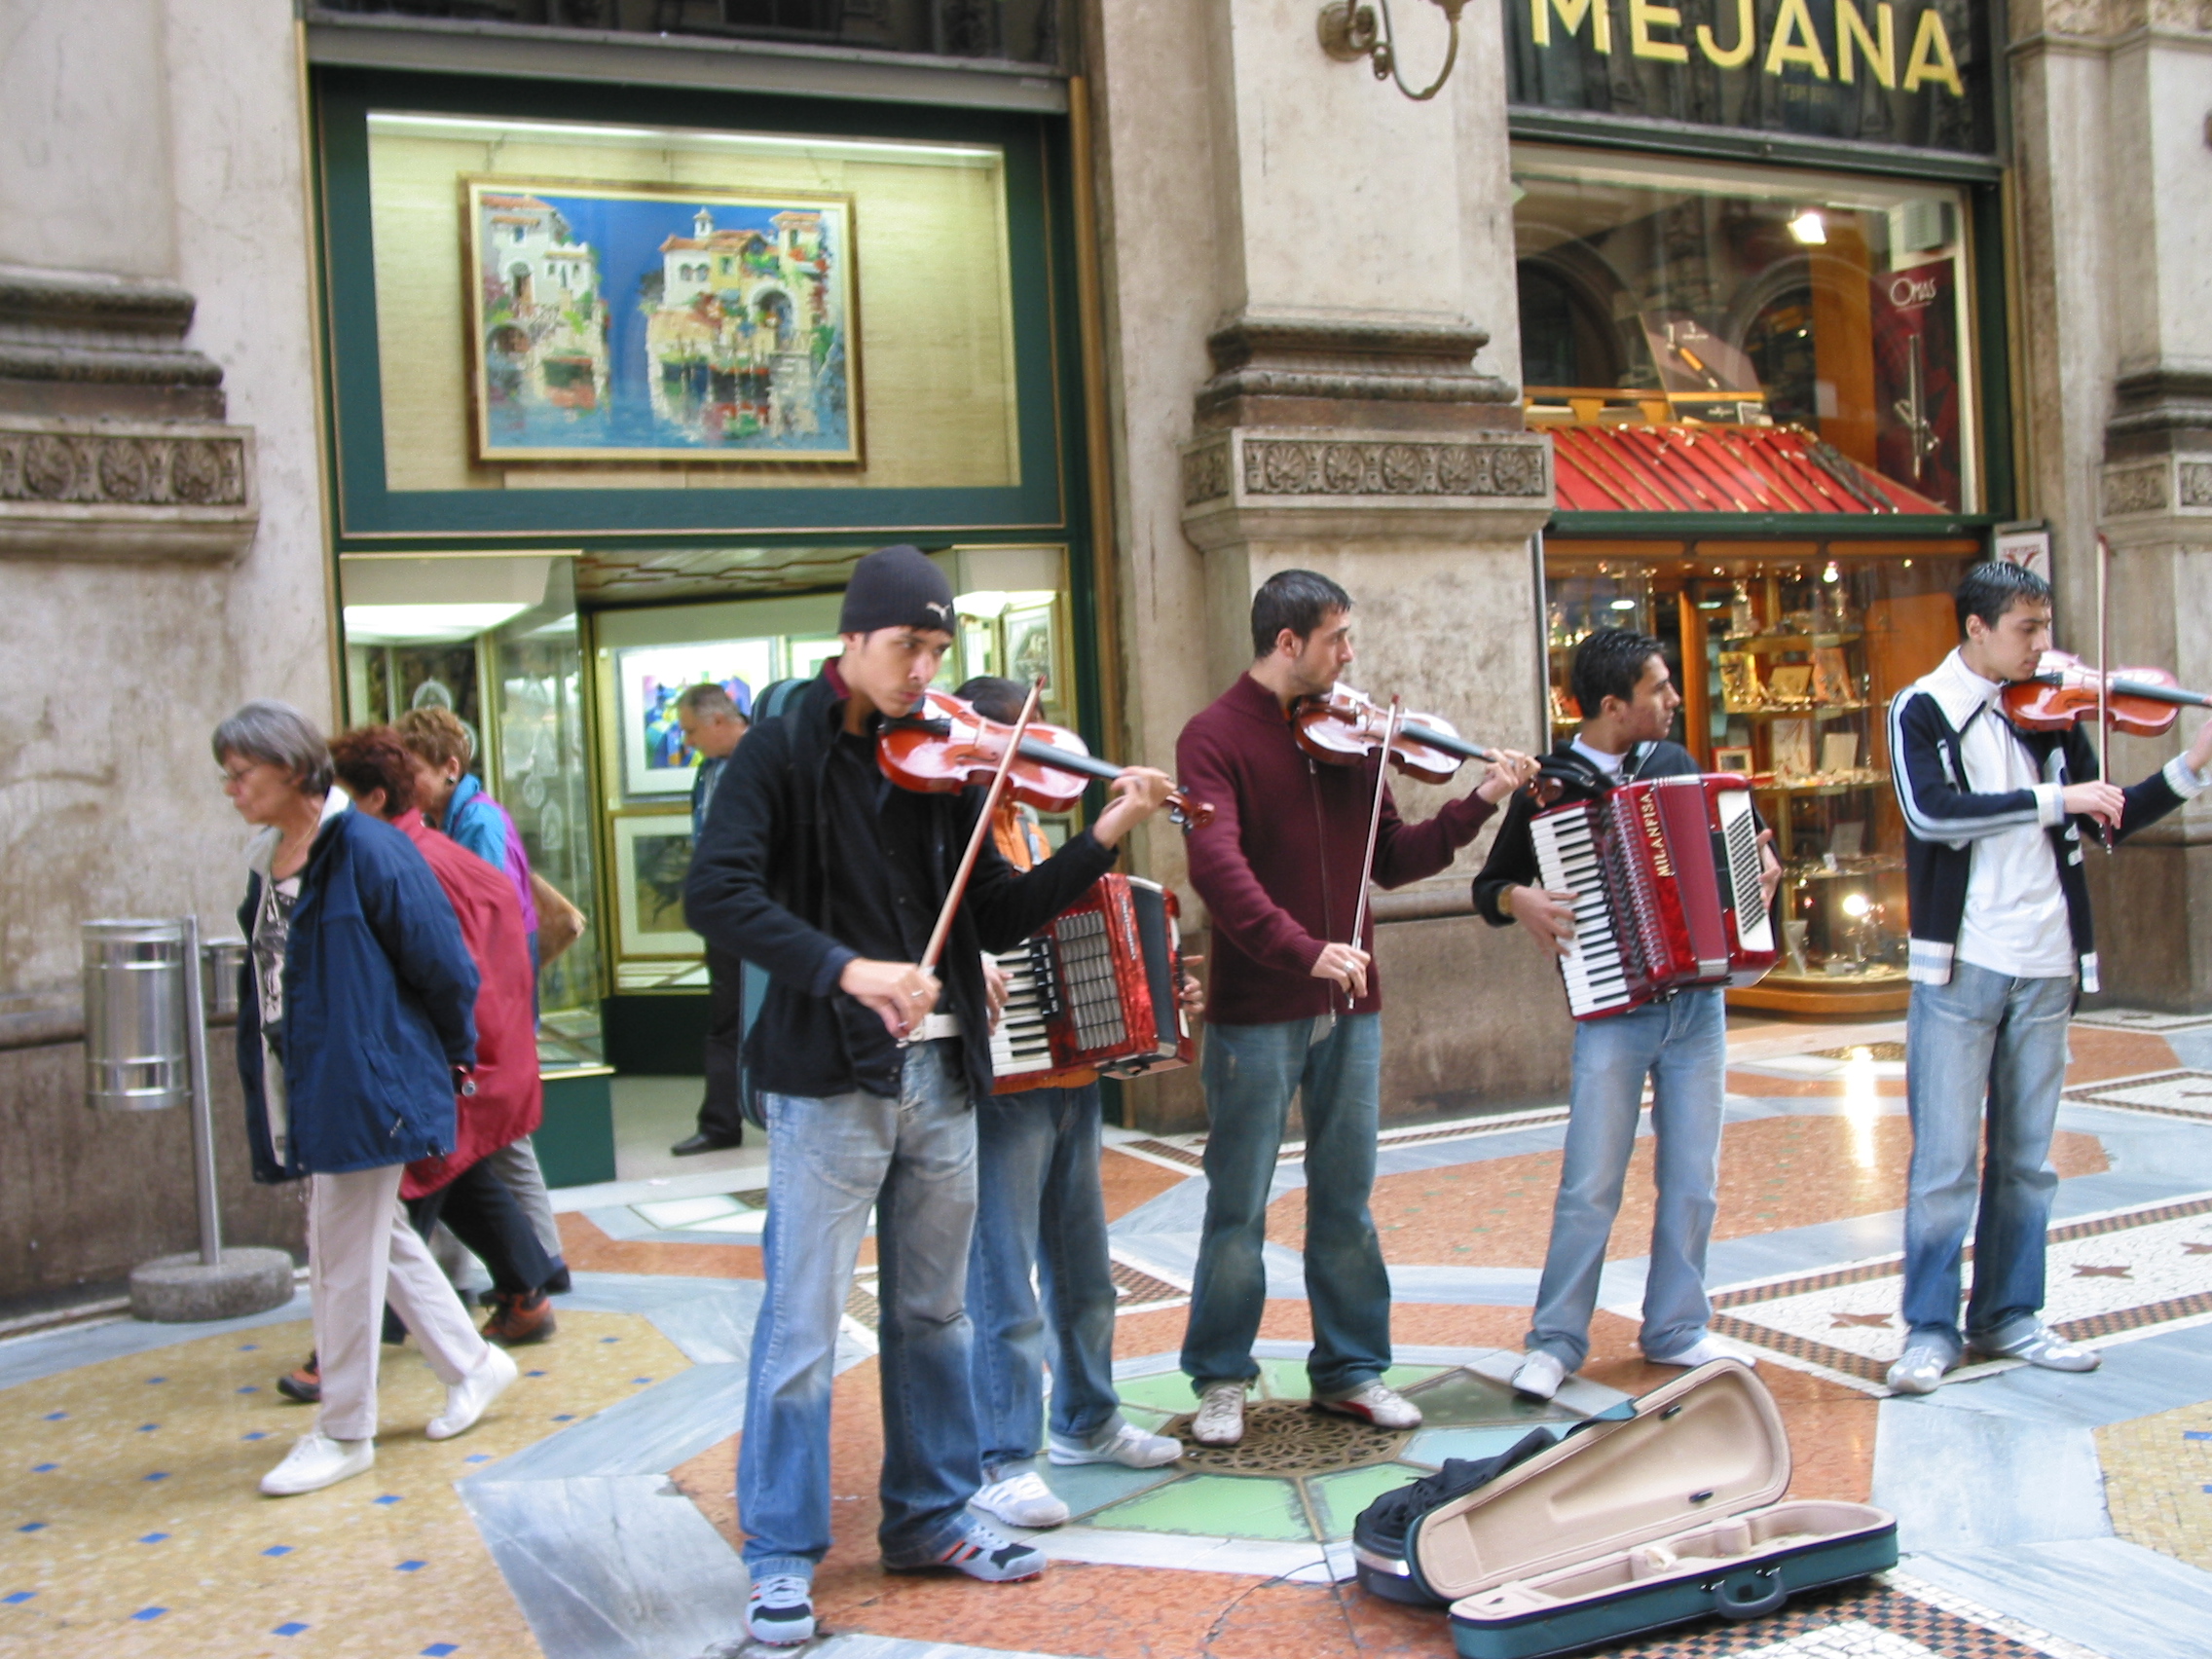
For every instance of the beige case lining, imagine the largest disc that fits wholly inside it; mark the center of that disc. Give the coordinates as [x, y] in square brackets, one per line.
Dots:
[1707, 1445]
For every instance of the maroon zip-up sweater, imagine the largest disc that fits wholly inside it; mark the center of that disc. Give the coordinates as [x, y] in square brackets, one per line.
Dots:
[1279, 866]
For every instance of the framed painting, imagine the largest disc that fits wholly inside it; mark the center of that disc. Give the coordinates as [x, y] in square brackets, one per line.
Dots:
[653, 757]
[661, 322]
[652, 855]
[1033, 647]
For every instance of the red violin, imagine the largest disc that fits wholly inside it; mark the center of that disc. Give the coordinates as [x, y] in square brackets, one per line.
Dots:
[944, 745]
[2142, 702]
[1343, 728]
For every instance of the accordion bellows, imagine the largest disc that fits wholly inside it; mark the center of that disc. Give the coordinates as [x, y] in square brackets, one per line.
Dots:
[1096, 988]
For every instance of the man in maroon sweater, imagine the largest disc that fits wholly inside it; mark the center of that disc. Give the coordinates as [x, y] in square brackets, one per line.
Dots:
[1293, 1008]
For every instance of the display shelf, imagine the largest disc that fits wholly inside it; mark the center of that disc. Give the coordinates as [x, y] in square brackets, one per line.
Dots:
[1820, 787]
[1760, 643]
[1797, 712]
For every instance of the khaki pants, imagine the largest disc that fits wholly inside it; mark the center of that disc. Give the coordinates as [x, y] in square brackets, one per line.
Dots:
[360, 1251]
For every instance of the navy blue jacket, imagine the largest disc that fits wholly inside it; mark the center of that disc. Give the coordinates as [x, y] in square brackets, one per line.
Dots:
[379, 993]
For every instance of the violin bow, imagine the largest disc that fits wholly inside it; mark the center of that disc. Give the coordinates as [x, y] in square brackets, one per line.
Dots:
[1374, 826]
[2105, 838]
[982, 828]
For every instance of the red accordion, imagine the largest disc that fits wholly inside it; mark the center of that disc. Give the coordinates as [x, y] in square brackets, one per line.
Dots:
[1665, 874]
[1096, 988]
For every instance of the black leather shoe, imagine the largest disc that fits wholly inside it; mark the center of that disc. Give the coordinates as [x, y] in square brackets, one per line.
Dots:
[703, 1142]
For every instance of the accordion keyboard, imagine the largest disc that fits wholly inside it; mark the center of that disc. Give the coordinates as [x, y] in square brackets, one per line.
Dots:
[1021, 1044]
[1569, 861]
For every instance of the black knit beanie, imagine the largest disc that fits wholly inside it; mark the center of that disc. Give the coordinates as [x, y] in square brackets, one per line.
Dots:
[896, 587]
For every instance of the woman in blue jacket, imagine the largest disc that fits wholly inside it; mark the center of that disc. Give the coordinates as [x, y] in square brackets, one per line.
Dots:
[354, 1031]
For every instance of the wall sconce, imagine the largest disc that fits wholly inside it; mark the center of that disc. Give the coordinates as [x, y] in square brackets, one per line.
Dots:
[1350, 32]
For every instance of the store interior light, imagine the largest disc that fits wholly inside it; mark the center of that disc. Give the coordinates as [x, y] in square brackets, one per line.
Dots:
[1855, 905]
[984, 604]
[398, 624]
[1623, 605]
[1831, 573]
[1810, 228]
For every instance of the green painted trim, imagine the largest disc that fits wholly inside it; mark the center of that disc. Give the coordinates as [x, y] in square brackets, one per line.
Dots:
[370, 517]
[1814, 526]
[1993, 330]
[1540, 124]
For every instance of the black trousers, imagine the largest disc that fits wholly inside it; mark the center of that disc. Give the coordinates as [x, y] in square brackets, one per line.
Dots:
[721, 1114]
[484, 1216]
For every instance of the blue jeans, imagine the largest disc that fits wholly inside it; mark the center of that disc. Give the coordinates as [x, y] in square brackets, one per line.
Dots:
[1683, 1046]
[914, 1159]
[1250, 1073]
[1983, 1031]
[1038, 1204]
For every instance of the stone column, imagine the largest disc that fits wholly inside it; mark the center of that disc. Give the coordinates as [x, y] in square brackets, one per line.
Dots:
[1344, 262]
[2114, 161]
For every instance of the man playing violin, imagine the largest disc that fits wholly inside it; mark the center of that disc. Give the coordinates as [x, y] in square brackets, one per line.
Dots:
[1294, 1009]
[2000, 940]
[1628, 699]
[814, 866]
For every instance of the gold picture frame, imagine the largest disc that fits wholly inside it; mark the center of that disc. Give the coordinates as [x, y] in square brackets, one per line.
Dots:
[622, 322]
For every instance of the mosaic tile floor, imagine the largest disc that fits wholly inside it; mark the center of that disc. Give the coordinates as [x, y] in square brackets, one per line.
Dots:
[590, 1515]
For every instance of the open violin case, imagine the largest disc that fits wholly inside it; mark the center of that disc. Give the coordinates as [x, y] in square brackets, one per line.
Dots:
[1649, 1516]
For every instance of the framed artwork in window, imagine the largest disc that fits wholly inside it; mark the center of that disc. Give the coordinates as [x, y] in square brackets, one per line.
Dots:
[652, 856]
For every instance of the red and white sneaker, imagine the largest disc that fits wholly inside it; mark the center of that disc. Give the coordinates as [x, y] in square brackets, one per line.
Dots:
[1375, 1402]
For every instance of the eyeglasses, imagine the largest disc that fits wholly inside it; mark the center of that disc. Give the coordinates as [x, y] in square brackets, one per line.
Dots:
[234, 776]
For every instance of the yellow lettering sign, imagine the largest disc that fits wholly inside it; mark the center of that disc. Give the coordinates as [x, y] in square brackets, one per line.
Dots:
[1737, 55]
[1793, 43]
[1932, 58]
[1572, 13]
[1642, 18]
[1881, 58]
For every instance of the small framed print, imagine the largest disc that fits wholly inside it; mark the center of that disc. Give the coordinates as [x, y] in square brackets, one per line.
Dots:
[1791, 681]
[653, 857]
[1792, 745]
[1737, 761]
[1032, 649]
[654, 758]
[1839, 752]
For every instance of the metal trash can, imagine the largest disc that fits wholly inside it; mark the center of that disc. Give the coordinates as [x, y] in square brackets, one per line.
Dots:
[223, 958]
[137, 1051]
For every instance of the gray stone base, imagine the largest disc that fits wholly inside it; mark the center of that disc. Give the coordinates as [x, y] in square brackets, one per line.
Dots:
[182, 1289]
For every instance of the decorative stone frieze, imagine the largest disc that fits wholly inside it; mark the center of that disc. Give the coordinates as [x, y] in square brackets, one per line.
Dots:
[2196, 484]
[116, 488]
[1396, 374]
[1494, 485]
[2136, 489]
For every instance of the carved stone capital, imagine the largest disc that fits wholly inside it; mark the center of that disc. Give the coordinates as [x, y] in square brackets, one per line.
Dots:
[118, 489]
[1251, 482]
[80, 343]
[1413, 373]
[2160, 410]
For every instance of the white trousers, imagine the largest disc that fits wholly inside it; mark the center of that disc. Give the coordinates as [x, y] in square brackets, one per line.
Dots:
[361, 1251]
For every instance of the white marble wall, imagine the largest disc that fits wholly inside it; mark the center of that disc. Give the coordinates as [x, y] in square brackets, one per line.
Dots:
[157, 138]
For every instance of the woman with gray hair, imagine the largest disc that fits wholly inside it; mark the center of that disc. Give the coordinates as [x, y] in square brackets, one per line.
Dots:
[355, 1034]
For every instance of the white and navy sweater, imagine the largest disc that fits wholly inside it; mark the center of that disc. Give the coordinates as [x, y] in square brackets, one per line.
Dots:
[1945, 815]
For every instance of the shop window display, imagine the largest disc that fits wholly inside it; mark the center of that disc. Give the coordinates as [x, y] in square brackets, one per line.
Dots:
[1788, 655]
[1708, 337]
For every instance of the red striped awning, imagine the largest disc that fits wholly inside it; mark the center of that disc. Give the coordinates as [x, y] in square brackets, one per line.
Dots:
[1717, 470]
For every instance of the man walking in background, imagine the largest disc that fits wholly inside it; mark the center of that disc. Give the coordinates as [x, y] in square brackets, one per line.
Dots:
[714, 725]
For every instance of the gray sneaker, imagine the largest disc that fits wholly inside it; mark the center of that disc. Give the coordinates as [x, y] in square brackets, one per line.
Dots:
[2042, 1345]
[1920, 1369]
[1220, 1419]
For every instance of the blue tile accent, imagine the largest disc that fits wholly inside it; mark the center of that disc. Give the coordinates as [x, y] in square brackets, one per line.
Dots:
[248, 1348]
[32, 1526]
[389, 1498]
[18, 1596]
[148, 1427]
[257, 1434]
[533, 1374]
[641, 1382]
[2186, 1434]
[56, 1417]
[277, 1550]
[154, 1539]
[409, 1566]
[604, 1340]
[565, 1416]
[159, 1475]
[147, 1615]
[150, 1381]
[44, 1468]
[439, 1649]
[251, 1389]
[478, 1458]
[291, 1628]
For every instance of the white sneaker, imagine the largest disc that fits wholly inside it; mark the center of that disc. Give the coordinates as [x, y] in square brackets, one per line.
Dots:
[1375, 1402]
[466, 1400]
[1131, 1448]
[315, 1461]
[1540, 1376]
[1021, 1500]
[780, 1611]
[1220, 1420]
[1703, 1351]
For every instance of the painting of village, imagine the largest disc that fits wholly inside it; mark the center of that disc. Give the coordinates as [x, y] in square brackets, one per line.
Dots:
[644, 322]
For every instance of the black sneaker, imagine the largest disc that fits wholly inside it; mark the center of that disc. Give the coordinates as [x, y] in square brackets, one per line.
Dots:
[304, 1384]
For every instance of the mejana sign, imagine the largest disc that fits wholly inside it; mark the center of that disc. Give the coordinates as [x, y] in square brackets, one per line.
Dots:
[1909, 73]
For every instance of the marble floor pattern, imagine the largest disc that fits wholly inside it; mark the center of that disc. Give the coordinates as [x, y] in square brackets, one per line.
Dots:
[590, 1514]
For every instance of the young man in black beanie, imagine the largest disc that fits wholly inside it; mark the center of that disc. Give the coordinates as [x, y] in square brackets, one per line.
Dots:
[815, 866]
